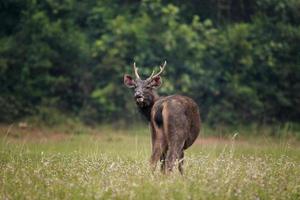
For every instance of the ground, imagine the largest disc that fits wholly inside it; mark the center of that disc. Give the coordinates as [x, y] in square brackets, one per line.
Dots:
[104, 163]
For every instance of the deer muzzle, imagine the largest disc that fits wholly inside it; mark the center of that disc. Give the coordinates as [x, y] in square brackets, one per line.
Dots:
[139, 97]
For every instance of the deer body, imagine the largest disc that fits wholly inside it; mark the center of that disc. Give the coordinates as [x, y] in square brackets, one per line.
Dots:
[174, 121]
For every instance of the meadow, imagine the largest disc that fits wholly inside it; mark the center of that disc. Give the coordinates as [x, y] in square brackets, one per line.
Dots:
[107, 163]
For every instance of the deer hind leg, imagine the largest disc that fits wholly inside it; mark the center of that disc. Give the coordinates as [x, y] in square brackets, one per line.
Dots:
[175, 130]
[156, 153]
[174, 154]
[163, 161]
[180, 162]
[158, 146]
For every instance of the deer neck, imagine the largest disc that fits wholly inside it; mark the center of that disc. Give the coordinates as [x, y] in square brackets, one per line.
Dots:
[146, 110]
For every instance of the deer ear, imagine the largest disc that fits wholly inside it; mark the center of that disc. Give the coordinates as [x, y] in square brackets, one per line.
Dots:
[128, 81]
[156, 82]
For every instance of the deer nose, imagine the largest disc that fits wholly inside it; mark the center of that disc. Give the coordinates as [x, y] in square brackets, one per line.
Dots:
[138, 95]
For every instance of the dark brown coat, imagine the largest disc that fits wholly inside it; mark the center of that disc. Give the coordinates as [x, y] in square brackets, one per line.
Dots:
[175, 125]
[174, 121]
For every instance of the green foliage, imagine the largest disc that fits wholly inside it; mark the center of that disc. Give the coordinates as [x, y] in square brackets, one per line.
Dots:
[239, 65]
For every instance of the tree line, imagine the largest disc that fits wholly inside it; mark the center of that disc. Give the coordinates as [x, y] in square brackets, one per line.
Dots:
[240, 60]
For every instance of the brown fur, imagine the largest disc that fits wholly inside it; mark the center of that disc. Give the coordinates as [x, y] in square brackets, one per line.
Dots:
[181, 125]
[174, 121]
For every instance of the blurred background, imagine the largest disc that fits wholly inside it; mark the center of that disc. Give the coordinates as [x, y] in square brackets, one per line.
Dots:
[65, 59]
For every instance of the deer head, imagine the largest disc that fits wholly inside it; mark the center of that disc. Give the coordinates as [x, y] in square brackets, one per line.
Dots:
[143, 89]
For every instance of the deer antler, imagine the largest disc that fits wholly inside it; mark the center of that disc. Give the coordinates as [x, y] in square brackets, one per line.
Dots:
[162, 67]
[136, 71]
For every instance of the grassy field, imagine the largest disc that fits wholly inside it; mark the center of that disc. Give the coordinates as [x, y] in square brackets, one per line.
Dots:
[113, 164]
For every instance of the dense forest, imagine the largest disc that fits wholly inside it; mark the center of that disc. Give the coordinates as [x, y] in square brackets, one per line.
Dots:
[239, 59]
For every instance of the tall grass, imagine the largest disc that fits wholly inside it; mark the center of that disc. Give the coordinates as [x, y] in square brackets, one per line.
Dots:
[115, 166]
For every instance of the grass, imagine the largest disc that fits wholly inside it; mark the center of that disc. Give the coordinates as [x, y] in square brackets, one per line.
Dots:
[113, 164]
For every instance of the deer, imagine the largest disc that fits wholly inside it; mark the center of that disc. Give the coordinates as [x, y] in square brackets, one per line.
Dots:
[174, 120]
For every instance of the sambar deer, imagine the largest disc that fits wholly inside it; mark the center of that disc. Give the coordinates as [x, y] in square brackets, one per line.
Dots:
[174, 119]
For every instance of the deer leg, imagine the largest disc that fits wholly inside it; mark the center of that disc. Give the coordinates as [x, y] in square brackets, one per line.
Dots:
[156, 154]
[163, 162]
[159, 150]
[155, 148]
[180, 162]
[173, 154]
[159, 146]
